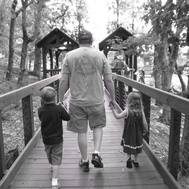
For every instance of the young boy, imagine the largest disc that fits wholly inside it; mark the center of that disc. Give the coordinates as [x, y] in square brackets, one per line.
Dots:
[51, 116]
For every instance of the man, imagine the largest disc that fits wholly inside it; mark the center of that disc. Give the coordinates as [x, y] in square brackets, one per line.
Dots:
[83, 71]
[118, 62]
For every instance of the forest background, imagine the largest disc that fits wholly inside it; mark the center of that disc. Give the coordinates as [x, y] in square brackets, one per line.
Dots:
[160, 31]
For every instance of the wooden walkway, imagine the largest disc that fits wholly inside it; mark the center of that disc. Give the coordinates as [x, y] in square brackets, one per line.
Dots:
[34, 173]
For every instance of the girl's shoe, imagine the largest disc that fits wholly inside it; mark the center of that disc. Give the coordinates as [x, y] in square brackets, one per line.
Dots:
[129, 163]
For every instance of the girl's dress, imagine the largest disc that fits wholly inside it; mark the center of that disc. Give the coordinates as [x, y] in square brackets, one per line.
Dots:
[133, 133]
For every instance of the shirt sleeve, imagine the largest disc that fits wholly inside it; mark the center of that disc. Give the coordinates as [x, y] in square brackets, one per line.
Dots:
[64, 114]
[65, 68]
[106, 66]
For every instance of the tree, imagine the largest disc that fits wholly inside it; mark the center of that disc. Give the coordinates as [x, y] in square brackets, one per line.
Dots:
[59, 15]
[37, 36]
[168, 24]
[26, 41]
[14, 15]
[126, 14]
[81, 16]
[177, 14]
[161, 20]
[4, 16]
[2, 25]
[117, 8]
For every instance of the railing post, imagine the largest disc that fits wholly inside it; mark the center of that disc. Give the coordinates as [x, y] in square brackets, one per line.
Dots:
[116, 83]
[57, 90]
[147, 108]
[174, 143]
[28, 120]
[122, 97]
[120, 92]
[2, 154]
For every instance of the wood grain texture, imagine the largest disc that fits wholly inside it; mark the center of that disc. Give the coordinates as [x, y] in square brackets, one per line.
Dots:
[35, 173]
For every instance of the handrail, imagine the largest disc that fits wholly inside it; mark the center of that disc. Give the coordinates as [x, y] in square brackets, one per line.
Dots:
[14, 96]
[174, 101]
[24, 94]
[177, 104]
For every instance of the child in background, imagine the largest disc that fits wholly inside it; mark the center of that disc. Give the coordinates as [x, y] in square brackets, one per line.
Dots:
[135, 126]
[51, 116]
[141, 76]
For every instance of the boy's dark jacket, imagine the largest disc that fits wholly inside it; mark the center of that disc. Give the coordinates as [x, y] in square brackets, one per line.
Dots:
[51, 116]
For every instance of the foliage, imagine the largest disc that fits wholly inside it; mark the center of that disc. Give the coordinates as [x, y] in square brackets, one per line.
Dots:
[4, 27]
[117, 7]
[133, 45]
[127, 14]
[80, 15]
[65, 15]
[58, 16]
[171, 19]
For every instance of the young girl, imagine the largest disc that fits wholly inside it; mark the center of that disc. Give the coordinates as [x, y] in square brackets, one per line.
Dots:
[135, 126]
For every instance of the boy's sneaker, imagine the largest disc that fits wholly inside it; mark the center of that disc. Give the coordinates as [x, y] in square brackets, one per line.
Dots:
[97, 161]
[84, 165]
[55, 184]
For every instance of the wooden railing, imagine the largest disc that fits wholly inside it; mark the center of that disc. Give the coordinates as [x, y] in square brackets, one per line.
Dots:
[177, 104]
[24, 94]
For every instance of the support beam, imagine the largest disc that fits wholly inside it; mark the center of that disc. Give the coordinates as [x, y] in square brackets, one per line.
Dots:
[28, 119]
[2, 155]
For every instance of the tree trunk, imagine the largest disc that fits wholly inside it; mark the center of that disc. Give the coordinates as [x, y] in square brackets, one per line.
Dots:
[11, 41]
[167, 68]
[157, 67]
[167, 72]
[2, 8]
[37, 61]
[26, 40]
[2, 24]
[22, 62]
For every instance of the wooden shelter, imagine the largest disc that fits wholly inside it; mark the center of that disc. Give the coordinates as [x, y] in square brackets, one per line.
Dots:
[119, 35]
[54, 43]
[120, 32]
[123, 34]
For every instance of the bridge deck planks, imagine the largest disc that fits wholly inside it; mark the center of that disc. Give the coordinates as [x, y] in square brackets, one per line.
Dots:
[35, 174]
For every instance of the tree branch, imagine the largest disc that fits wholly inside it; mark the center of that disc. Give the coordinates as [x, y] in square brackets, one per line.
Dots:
[21, 9]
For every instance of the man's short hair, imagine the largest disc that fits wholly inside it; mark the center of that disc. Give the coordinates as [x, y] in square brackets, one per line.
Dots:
[85, 37]
[48, 95]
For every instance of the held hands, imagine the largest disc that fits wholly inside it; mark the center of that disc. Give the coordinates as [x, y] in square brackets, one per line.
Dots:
[145, 133]
[64, 105]
[112, 104]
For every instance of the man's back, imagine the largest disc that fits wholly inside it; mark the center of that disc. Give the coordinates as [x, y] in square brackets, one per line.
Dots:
[86, 67]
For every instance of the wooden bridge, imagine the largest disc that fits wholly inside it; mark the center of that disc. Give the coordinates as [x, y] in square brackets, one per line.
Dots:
[31, 169]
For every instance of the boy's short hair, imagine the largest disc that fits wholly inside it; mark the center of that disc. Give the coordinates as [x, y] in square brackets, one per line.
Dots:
[48, 95]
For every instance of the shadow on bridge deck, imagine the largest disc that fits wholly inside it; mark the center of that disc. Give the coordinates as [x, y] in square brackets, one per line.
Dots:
[35, 173]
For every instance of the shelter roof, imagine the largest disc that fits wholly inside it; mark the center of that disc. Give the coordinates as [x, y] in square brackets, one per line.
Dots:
[120, 32]
[55, 39]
